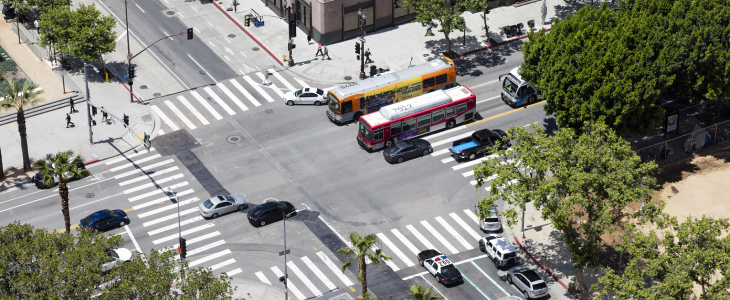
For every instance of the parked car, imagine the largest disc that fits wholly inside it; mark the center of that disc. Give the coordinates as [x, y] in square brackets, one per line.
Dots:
[439, 266]
[105, 219]
[38, 177]
[305, 96]
[407, 149]
[269, 212]
[528, 282]
[499, 250]
[119, 255]
[479, 143]
[492, 222]
[218, 205]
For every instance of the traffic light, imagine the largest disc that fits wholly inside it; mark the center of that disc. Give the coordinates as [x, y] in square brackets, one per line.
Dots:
[183, 248]
[357, 49]
[147, 142]
[131, 72]
[292, 27]
[126, 120]
[190, 33]
[248, 20]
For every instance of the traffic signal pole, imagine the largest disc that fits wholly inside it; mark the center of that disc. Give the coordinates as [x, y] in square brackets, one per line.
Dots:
[88, 107]
[129, 53]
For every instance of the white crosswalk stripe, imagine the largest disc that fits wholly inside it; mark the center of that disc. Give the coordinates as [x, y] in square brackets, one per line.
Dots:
[472, 216]
[194, 111]
[334, 268]
[170, 216]
[186, 232]
[395, 249]
[188, 242]
[405, 241]
[290, 285]
[301, 83]
[144, 169]
[389, 263]
[232, 96]
[207, 105]
[160, 132]
[164, 118]
[258, 88]
[262, 278]
[420, 237]
[158, 191]
[160, 200]
[219, 101]
[281, 78]
[439, 237]
[272, 86]
[234, 272]
[454, 233]
[174, 226]
[448, 159]
[468, 174]
[331, 286]
[124, 166]
[440, 152]
[245, 93]
[195, 262]
[169, 207]
[127, 157]
[445, 132]
[308, 283]
[466, 227]
[206, 247]
[145, 177]
[153, 183]
[471, 163]
[180, 115]
[222, 264]
[451, 139]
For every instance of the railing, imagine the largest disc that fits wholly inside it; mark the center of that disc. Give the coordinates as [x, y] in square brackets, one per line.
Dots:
[31, 45]
[687, 144]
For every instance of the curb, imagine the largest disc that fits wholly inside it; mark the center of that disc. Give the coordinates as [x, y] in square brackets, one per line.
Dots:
[543, 267]
[246, 31]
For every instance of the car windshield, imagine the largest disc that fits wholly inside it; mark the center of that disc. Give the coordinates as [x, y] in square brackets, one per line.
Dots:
[510, 86]
[365, 131]
[280, 205]
[112, 213]
[334, 103]
[297, 93]
[88, 220]
[230, 199]
[113, 253]
[258, 210]
[449, 270]
[509, 255]
[539, 286]
[208, 204]
[491, 220]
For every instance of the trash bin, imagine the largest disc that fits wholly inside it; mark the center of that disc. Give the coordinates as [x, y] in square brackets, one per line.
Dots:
[373, 70]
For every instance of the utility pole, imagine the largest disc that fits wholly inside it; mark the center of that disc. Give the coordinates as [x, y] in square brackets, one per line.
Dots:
[284, 278]
[292, 22]
[361, 19]
[129, 56]
[88, 107]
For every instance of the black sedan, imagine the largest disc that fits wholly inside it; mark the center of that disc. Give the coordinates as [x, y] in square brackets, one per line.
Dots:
[105, 219]
[269, 212]
[407, 149]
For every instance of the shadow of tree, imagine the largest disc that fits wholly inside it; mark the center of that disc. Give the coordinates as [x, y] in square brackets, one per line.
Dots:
[468, 65]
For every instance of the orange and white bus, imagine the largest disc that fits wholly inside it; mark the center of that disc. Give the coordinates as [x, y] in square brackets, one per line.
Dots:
[351, 101]
[417, 116]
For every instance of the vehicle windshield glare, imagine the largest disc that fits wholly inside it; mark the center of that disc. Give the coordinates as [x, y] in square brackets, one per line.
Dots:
[297, 93]
[280, 205]
[510, 86]
[230, 199]
[334, 103]
[364, 131]
[208, 204]
[88, 220]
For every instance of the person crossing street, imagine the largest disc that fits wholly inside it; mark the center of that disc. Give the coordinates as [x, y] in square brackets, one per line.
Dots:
[319, 50]
[68, 120]
[326, 53]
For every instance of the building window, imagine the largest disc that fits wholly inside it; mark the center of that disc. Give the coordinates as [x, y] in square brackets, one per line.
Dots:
[351, 22]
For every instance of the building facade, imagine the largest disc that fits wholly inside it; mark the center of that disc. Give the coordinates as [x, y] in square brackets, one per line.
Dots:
[331, 21]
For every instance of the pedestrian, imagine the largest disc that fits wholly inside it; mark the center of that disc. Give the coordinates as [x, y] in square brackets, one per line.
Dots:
[104, 116]
[309, 37]
[71, 102]
[326, 53]
[428, 30]
[37, 26]
[266, 79]
[68, 120]
[319, 50]
[367, 56]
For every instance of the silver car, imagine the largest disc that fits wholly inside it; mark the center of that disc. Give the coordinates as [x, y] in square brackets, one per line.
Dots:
[491, 223]
[528, 282]
[305, 96]
[218, 205]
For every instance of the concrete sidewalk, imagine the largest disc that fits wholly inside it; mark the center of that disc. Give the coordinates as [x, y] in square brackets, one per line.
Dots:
[397, 47]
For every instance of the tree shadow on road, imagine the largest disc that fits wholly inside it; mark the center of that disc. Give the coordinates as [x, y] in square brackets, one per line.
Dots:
[469, 65]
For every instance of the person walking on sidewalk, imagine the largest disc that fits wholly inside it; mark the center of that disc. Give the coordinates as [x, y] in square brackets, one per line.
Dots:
[367, 56]
[71, 102]
[37, 26]
[68, 120]
[326, 53]
[428, 30]
[309, 38]
[319, 50]
[104, 116]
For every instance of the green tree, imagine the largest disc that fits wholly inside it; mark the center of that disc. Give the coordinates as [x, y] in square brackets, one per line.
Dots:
[420, 293]
[93, 34]
[436, 13]
[581, 181]
[46, 4]
[676, 258]
[17, 97]
[59, 169]
[56, 28]
[482, 6]
[361, 248]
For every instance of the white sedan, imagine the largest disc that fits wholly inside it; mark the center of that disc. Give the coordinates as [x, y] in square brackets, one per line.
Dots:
[305, 96]
[118, 255]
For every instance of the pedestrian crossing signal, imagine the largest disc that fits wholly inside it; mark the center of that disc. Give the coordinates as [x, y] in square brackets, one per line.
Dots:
[93, 110]
[147, 142]
[190, 33]
[126, 120]
[182, 249]
[357, 50]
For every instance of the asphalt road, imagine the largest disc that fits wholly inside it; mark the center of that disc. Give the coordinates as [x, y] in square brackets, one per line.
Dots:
[296, 154]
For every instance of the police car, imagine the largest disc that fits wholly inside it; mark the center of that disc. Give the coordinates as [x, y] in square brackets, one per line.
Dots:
[439, 266]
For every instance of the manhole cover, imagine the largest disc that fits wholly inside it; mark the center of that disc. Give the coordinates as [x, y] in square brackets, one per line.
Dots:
[144, 87]
[234, 139]
[231, 35]
[89, 195]
[171, 13]
[255, 49]
[269, 111]
[156, 94]
[348, 78]
[201, 72]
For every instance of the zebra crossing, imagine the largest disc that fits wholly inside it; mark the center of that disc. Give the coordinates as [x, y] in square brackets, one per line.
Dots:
[233, 96]
[144, 186]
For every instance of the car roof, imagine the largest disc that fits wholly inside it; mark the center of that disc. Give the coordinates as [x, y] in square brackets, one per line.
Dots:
[502, 244]
[484, 133]
[100, 214]
[430, 253]
[404, 143]
[531, 275]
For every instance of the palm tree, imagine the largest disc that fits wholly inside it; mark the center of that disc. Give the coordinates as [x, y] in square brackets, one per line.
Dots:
[62, 167]
[361, 249]
[18, 96]
[420, 293]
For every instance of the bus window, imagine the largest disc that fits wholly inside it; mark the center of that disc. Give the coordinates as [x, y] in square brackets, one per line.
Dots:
[441, 79]
[409, 124]
[509, 85]
[395, 129]
[334, 103]
[424, 120]
[347, 107]
[450, 111]
[427, 83]
[438, 116]
[377, 135]
[461, 108]
[364, 131]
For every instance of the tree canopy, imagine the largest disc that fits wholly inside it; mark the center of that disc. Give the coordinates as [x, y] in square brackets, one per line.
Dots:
[84, 33]
[444, 19]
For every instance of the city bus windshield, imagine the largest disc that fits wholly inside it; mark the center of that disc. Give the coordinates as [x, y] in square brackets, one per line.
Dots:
[334, 103]
[365, 131]
[510, 86]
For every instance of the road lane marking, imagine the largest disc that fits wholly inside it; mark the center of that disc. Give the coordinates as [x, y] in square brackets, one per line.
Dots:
[209, 257]
[153, 183]
[245, 93]
[164, 118]
[434, 288]
[466, 227]
[257, 88]
[472, 283]
[395, 249]
[232, 96]
[219, 101]
[301, 82]
[167, 207]
[290, 285]
[174, 226]
[272, 85]
[456, 264]
[207, 106]
[157, 191]
[222, 264]
[452, 130]
[490, 278]
[485, 100]
[204, 70]
[387, 262]
[170, 216]
[281, 78]
[193, 240]
[124, 166]
[472, 215]
[451, 139]
[439, 237]
[131, 237]
[262, 278]
[478, 85]
[234, 272]
[503, 114]
[186, 232]
[127, 157]
[308, 283]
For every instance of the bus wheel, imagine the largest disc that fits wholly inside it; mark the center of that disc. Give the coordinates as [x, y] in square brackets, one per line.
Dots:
[531, 100]
[389, 143]
[357, 116]
[450, 124]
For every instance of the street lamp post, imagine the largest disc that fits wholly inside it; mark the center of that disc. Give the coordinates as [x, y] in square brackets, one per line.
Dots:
[170, 192]
[286, 277]
[129, 53]
[361, 19]
[290, 11]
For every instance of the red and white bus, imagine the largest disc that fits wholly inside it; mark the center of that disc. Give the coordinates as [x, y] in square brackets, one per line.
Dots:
[417, 116]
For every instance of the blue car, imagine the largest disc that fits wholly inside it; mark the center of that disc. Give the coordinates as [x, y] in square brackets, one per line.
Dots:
[105, 219]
